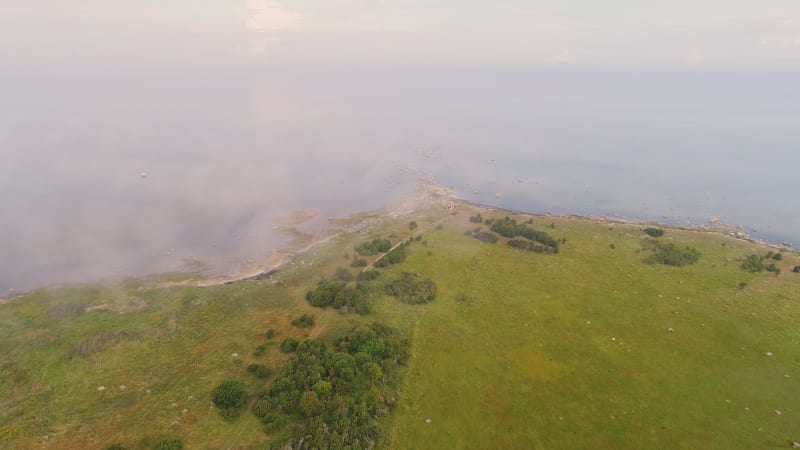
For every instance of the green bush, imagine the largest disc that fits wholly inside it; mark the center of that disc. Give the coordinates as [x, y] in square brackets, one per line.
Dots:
[259, 370]
[359, 262]
[753, 264]
[395, 256]
[229, 395]
[270, 333]
[477, 218]
[261, 350]
[304, 321]
[289, 345]
[518, 243]
[796, 269]
[412, 225]
[373, 247]
[169, 444]
[368, 275]
[509, 228]
[115, 446]
[343, 274]
[653, 232]
[669, 254]
[411, 289]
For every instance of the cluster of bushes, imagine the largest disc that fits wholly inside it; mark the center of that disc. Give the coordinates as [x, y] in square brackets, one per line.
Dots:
[395, 256]
[413, 289]
[653, 232]
[669, 253]
[230, 397]
[358, 262]
[333, 398]
[259, 370]
[509, 228]
[756, 264]
[777, 256]
[483, 236]
[337, 294]
[289, 345]
[304, 321]
[343, 274]
[477, 218]
[373, 247]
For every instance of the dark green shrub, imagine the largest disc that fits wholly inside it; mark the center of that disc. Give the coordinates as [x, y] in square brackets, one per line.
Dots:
[261, 350]
[270, 333]
[412, 225]
[368, 275]
[669, 254]
[518, 243]
[373, 247]
[304, 321]
[796, 269]
[259, 370]
[753, 264]
[343, 274]
[115, 446]
[289, 345]
[359, 262]
[653, 232]
[229, 395]
[412, 289]
[395, 256]
[169, 444]
[477, 218]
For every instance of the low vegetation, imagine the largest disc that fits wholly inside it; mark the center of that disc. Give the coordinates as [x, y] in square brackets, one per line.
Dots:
[373, 247]
[653, 232]
[509, 228]
[332, 399]
[669, 254]
[412, 289]
[304, 321]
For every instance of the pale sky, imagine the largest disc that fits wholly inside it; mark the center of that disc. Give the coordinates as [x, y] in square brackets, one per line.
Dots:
[70, 34]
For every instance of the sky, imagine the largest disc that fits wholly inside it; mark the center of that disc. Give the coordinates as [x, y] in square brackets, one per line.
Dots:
[86, 35]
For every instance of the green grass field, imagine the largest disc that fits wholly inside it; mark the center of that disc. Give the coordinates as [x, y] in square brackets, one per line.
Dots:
[519, 350]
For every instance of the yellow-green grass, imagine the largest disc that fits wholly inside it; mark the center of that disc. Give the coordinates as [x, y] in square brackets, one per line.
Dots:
[548, 351]
[574, 350]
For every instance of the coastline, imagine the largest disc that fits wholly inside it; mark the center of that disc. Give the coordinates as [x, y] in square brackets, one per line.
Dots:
[427, 191]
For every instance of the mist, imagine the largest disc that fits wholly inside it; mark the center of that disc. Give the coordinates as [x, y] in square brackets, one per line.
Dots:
[130, 145]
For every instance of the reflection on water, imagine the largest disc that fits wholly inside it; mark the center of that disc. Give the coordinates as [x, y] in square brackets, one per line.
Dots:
[226, 157]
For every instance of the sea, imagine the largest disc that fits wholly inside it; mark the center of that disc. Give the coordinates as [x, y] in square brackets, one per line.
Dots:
[105, 176]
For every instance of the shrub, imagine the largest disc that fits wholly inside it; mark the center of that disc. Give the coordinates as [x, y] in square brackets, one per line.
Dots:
[518, 243]
[289, 345]
[796, 269]
[304, 321]
[368, 275]
[653, 232]
[259, 370]
[670, 254]
[509, 228]
[395, 256]
[412, 225]
[440, 227]
[343, 274]
[270, 333]
[229, 395]
[169, 444]
[485, 236]
[477, 218]
[373, 247]
[753, 264]
[359, 262]
[261, 350]
[115, 446]
[410, 289]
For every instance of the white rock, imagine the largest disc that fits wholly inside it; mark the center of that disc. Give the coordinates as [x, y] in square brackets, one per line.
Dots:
[101, 388]
[234, 355]
[778, 412]
[768, 353]
[428, 420]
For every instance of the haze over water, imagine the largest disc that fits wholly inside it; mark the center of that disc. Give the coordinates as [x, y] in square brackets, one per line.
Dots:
[236, 131]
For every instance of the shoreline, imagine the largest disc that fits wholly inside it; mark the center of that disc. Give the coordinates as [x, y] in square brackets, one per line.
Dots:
[427, 190]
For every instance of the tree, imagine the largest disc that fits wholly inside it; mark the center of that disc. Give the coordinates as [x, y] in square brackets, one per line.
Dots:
[310, 404]
[653, 232]
[229, 394]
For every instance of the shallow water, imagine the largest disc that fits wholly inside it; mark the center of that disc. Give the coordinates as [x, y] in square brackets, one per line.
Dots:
[107, 176]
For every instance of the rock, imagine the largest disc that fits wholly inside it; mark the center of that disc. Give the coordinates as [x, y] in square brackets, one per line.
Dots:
[671, 330]
[795, 444]
[122, 387]
[428, 421]
[234, 355]
[768, 353]
[778, 412]
[101, 388]
[185, 411]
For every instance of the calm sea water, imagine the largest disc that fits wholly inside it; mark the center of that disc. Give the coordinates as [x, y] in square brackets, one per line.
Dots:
[228, 154]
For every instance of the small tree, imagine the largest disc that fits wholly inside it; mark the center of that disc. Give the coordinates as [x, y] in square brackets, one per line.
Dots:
[229, 395]
[653, 232]
[412, 225]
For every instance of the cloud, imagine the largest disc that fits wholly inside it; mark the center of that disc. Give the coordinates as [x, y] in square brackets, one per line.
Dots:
[269, 16]
[792, 42]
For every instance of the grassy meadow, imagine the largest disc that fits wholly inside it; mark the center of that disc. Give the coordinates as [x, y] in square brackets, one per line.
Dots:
[587, 348]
